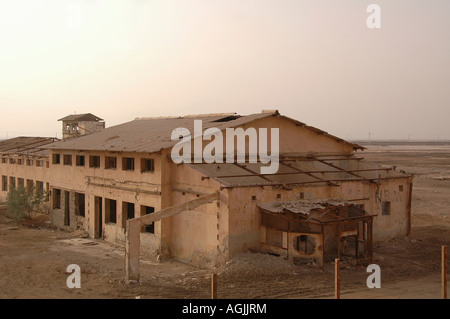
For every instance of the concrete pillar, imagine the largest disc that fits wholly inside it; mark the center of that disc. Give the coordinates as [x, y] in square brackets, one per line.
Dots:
[132, 249]
[166, 201]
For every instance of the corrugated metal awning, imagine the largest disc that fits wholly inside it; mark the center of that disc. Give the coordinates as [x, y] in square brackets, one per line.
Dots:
[321, 212]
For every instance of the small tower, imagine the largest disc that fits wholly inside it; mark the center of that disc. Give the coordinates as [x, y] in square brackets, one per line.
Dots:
[81, 124]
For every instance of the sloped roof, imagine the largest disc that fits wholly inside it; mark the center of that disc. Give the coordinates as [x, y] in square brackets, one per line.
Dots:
[150, 135]
[81, 117]
[24, 145]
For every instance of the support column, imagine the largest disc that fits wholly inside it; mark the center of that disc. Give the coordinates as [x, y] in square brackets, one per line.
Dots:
[133, 230]
[132, 249]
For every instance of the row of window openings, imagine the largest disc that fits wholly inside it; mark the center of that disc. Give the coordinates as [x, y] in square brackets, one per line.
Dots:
[28, 162]
[128, 212]
[79, 202]
[147, 164]
[11, 182]
[110, 209]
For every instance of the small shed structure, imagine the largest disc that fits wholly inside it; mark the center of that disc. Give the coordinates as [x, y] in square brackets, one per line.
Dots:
[315, 230]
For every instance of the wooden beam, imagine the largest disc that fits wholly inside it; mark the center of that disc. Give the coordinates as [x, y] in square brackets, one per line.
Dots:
[347, 220]
[252, 173]
[305, 172]
[309, 159]
[340, 171]
[311, 182]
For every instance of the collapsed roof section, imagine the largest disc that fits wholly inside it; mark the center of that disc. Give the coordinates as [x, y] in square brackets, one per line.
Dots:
[317, 212]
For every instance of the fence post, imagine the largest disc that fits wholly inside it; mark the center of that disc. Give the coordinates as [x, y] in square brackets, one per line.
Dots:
[213, 286]
[337, 279]
[444, 272]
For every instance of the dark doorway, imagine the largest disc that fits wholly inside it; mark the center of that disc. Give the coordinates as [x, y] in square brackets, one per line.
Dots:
[80, 207]
[66, 208]
[127, 212]
[98, 217]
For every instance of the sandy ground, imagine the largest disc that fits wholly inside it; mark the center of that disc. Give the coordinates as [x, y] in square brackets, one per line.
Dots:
[34, 255]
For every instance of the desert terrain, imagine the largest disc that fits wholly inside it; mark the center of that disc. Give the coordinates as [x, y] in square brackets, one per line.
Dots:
[34, 255]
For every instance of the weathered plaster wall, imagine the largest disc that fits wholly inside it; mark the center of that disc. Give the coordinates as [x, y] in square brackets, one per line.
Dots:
[88, 127]
[25, 171]
[245, 223]
[371, 196]
[297, 139]
[141, 189]
[198, 236]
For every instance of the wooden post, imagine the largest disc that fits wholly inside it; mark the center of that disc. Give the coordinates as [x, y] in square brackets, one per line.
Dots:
[213, 286]
[444, 272]
[409, 207]
[337, 279]
[339, 240]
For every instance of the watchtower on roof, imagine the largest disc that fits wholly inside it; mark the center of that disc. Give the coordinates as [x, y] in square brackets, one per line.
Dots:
[76, 125]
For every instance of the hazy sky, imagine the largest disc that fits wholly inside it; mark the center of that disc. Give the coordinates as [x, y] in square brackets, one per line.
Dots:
[313, 60]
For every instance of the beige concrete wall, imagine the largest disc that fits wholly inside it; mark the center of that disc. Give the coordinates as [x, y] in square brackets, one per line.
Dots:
[75, 177]
[245, 223]
[297, 139]
[89, 127]
[199, 236]
[58, 215]
[292, 138]
[194, 234]
[115, 232]
[141, 189]
[385, 227]
[27, 172]
[245, 218]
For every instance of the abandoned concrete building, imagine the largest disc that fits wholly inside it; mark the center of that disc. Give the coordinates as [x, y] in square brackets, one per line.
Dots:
[121, 184]
[25, 163]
